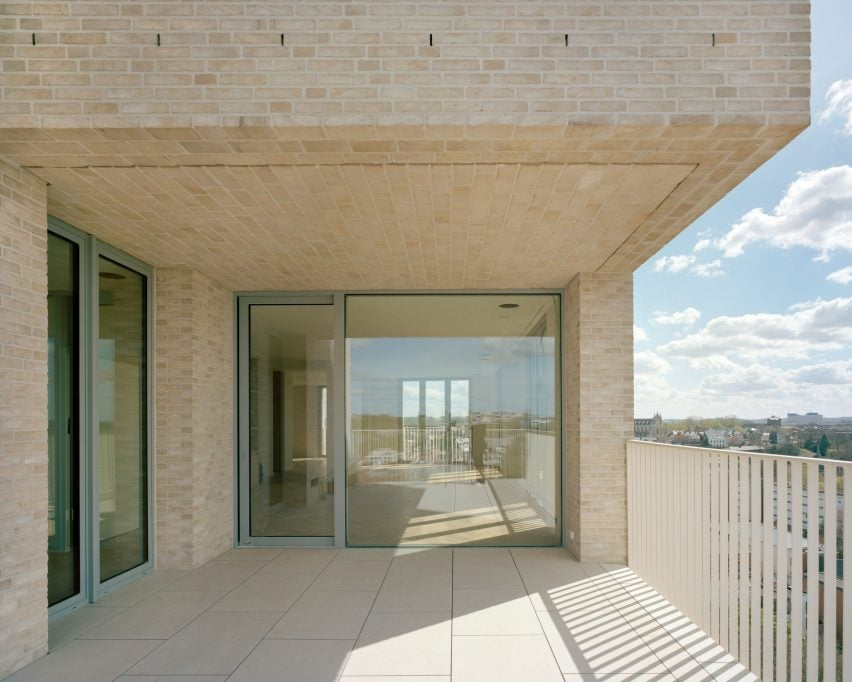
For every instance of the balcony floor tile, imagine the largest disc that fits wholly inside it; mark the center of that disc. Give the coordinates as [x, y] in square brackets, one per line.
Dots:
[406, 615]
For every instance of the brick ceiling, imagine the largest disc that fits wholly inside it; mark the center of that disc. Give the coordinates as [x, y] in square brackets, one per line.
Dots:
[421, 208]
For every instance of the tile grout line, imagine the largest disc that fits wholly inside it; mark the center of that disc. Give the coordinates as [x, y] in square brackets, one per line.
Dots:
[537, 616]
[452, 604]
[651, 616]
[364, 624]
[286, 611]
[96, 605]
[181, 629]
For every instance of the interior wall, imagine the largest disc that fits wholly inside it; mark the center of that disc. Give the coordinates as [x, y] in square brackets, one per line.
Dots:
[23, 418]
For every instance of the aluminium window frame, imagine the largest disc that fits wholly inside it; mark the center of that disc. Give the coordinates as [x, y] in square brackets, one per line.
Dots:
[339, 427]
[90, 249]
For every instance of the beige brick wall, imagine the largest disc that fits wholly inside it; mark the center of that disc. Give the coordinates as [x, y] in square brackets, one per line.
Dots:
[194, 418]
[235, 63]
[23, 418]
[598, 366]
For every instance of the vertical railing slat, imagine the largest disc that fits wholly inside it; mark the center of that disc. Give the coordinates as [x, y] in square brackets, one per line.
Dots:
[829, 585]
[846, 623]
[706, 542]
[724, 545]
[768, 487]
[733, 548]
[781, 583]
[742, 556]
[812, 629]
[796, 576]
[714, 547]
[754, 607]
[691, 594]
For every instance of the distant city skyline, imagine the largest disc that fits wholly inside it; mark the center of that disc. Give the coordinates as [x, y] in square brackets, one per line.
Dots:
[749, 310]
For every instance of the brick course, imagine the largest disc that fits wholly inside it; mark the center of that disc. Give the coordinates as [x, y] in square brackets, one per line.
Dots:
[598, 385]
[23, 418]
[194, 389]
[235, 63]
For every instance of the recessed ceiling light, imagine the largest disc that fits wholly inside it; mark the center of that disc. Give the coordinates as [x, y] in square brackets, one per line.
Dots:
[509, 305]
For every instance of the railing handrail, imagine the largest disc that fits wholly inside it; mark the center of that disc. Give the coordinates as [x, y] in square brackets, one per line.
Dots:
[749, 453]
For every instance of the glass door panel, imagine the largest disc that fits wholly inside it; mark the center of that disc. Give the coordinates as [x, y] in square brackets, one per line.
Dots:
[122, 418]
[63, 544]
[290, 464]
[453, 419]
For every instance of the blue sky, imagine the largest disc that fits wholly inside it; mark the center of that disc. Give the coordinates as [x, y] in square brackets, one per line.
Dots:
[749, 310]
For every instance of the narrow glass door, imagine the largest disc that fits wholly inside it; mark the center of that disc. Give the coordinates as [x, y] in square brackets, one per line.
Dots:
[288, 477]
[122, 380]
[63, 545]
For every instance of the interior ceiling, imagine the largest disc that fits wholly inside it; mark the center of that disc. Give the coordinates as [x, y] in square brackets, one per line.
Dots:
[398, 208]
[417, 316]
[283, 332]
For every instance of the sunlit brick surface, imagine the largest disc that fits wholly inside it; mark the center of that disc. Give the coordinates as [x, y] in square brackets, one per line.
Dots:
[232, 63]
[598, 412]
[23, 418]
[194, 384]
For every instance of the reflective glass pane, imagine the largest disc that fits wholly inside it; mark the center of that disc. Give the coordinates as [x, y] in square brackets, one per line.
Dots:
[453, 420]
[291, 466]
[122, 410]
[63, 541]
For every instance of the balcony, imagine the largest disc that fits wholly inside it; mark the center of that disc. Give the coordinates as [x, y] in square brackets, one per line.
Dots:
[730, 578]
[433, 614]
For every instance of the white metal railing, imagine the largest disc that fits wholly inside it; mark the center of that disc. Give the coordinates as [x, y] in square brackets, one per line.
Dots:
[411, 444]
[726, 537]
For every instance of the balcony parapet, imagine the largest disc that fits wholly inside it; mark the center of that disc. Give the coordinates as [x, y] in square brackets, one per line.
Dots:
[727, 537]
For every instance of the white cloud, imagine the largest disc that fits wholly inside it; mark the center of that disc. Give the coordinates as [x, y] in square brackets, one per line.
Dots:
[749, 380]
[842, 276]
[750, 390]
[814, 326]
[711, 269]
[826, 373]
[639, 334]
[673, 263]
[684, 318]
[648, 362]
[815, 212]
[839, 102]
[716, 362]
[682, 262]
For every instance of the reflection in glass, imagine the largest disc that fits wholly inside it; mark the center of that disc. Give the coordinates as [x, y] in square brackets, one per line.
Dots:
[63, 542]
[453, 420]
[290, 450]
[122, 410]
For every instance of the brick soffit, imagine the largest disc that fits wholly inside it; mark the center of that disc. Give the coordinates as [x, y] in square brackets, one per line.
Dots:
[369, 207]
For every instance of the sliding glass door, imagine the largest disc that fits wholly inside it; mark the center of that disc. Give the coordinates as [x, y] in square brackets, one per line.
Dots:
[63, 451]
[122, 391]
[437, 414]
[98, 417]
[453, 420]
[287, 477]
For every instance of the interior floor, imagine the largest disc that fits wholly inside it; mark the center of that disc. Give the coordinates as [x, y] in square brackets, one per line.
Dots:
[411, 504]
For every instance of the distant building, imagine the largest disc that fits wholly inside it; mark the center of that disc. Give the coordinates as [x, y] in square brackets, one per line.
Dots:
[774, 421]
[649, 429]
[794, 419]
[716, 438]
